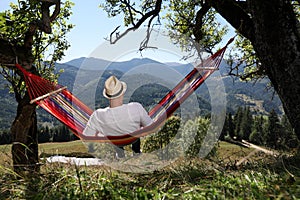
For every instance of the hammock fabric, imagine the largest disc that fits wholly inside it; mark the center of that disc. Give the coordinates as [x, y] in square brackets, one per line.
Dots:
[68, 109]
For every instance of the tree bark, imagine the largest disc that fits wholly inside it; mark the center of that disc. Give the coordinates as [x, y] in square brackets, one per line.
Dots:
[9, 52]
[277, 44]
[24, 138]
[274, 31]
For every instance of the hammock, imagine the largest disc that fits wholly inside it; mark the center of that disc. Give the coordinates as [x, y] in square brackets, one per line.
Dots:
[68, 109]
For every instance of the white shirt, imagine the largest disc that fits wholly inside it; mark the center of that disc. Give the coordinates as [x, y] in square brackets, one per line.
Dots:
[116, 121]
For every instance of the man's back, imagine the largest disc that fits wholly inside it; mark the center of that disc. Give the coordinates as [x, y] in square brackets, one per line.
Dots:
[119, 120]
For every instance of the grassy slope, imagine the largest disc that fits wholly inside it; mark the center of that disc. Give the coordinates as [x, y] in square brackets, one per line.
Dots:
[63, 148]
[226, 151]
[184, 179]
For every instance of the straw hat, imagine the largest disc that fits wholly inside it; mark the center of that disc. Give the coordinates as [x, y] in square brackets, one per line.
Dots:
[113, 88]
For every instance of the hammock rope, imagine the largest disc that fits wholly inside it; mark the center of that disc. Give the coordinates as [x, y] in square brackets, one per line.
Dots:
[67, 108]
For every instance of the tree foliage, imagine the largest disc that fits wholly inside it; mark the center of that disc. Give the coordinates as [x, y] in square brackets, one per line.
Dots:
[161, 140]
[273, 130]
[193, 31]
[177, 138]
[258, 131]
[46, 48]
[198, 129]
[265, 130]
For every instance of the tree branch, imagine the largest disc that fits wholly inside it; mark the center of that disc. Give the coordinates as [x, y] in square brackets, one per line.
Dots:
[238, 17]
[151, 14]
[44, 24]
[144, 43]
[9, 51]
[130, 8]
[199, 22]
[242, 4]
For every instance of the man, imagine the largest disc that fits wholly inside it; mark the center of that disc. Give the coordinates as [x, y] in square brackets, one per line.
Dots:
[118, 118]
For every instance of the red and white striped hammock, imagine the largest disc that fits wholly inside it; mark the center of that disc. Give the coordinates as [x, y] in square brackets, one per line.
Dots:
[72, 112]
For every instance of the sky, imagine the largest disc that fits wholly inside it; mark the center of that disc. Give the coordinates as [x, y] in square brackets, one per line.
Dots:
[92, 26]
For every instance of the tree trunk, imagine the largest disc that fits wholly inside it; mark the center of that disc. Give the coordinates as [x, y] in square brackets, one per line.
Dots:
[277, 44]
[24, 138]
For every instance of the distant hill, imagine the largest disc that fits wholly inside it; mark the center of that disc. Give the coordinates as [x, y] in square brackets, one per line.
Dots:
[85, 77]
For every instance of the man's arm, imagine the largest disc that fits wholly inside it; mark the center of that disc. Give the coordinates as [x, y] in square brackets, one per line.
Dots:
[145, 118]
[92, 127]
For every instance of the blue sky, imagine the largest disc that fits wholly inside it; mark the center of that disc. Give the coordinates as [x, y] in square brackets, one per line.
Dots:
[91, 27]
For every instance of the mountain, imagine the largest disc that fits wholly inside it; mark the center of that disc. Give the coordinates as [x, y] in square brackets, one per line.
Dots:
[100, 64]
[7, 105]
[258, 95]
[148, 81]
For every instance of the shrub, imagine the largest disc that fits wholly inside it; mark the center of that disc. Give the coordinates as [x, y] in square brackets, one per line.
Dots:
[199, 140]
[162, 139]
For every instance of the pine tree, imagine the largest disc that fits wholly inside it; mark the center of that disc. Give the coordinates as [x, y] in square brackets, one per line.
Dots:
[246, 124]
[289, 136]
[237, 123]
[273, 137]
[230, 125]
[224, 131]
[257, 135]
[228, 128]
[44, 135]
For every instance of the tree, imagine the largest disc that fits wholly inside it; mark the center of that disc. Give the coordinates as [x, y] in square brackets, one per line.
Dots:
[230, 125]
[44, 135]
[237, 123]
[224, 132]
[268, 42]
[246, 123]
[228, 128]
[257, 135]
[5, 137]
[274, 130]
[26, 32]
[203, 140]
[288, 135]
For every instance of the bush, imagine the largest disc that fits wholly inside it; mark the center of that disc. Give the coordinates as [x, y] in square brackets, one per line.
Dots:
[192, 139]
[198, 139]
[162, 139]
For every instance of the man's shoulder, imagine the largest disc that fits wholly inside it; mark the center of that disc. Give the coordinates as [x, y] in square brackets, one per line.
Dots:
[134, 104]
[101, 110]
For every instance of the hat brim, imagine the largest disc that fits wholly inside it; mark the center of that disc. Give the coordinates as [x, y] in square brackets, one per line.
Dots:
[124, 88]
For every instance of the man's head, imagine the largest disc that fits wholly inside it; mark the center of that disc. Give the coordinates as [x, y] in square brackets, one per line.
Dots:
[113, 88]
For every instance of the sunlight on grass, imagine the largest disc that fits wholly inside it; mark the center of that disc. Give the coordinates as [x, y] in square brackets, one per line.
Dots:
[186, 178]
[73, 148]
[63, 148]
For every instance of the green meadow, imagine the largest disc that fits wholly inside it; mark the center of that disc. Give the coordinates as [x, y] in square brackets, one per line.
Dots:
[258, 176]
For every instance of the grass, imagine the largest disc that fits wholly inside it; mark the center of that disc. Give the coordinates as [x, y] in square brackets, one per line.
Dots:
[46, 149]
[74, 148]
[260, 178]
